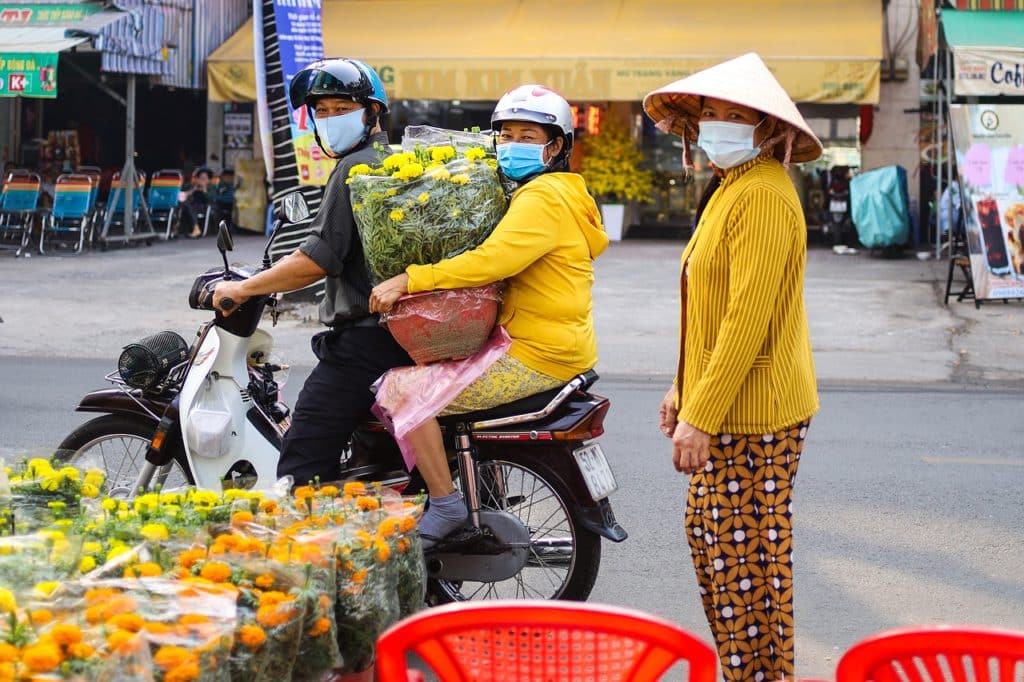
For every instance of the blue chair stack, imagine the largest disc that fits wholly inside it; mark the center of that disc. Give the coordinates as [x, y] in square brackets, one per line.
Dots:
[71, 212]
[162, 198]
[20, 202]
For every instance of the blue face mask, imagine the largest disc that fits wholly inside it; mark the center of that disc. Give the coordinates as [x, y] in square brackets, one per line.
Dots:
[727, 144]
[341, 133]
[521, 159]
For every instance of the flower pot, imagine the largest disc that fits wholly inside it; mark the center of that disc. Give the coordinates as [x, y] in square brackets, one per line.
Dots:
[613, 217]
[444, 325]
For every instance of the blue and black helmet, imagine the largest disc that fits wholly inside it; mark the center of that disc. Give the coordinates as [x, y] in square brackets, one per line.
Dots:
[341, 77]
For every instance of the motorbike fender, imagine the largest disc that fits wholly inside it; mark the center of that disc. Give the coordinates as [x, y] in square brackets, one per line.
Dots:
[596, 516]
[115, 401]
[508, 553]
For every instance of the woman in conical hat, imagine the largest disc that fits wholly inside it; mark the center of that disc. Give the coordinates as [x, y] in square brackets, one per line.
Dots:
[745, 389]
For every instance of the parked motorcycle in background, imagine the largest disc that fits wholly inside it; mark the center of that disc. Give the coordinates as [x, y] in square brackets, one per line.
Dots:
[535, 480]
[837, 227]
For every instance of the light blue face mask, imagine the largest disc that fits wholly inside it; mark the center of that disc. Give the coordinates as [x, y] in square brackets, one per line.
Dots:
[342, 132]
[727, 144]
[519, 160]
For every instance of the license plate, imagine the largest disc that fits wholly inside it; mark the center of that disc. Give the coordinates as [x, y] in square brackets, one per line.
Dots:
[837, 206]
[596, 472]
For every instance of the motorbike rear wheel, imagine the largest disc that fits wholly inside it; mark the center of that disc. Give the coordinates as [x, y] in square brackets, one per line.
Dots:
[564, 556]
[117, 444]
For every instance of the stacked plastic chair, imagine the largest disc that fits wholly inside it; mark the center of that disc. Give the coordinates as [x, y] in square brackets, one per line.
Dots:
[70, 215]
[162, 199]
[20, 204]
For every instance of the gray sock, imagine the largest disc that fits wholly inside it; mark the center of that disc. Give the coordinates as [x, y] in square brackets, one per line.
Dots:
[444, 515]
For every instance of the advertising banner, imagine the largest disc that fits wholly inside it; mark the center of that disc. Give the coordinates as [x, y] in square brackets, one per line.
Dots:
[28, 75]
[988, 71]
[301, 41]
[35, 14]
[989, 141]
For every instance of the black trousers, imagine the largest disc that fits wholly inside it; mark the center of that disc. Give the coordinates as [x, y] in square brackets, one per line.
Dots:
[335, 398]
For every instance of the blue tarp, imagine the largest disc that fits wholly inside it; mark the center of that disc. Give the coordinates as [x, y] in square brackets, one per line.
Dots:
[879, 205]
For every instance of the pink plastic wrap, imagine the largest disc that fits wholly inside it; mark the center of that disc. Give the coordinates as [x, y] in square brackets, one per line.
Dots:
[447, 324]
[409, 396]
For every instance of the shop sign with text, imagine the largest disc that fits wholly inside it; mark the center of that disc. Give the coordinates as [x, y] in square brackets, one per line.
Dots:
[35, 14]
[28, 75]
[987, 72]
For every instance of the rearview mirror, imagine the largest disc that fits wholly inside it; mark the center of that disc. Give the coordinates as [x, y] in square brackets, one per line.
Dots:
[294, 207]
[224, 240]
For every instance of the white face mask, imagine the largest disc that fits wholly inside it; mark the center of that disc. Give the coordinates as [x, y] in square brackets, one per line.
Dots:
[728, 144]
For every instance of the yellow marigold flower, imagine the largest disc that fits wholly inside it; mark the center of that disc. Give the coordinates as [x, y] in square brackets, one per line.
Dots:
[70, 473]
[396, 161]
[493, 163]
[183, 673]
[90, 490]
[396, 215]
[423, 198]
[460, 179]
[438, 173]
[204, 498]
[41, 658]
[8, 604]
[8, 653]
[92, 547]
[320, 627]
[456, 213]
[390, 193]
[358, 169]
[354, 488]
[81, 650]
[117, 550]
[252, 636]
[45, 589]
[217, 571]
[109, 504]
[410, 171]
[154, 532]
[51, 482]
[357, 207]
[475, 153]
[167, 657]
[38, 467]
[86, 564]
[442, 154]
[65, 634]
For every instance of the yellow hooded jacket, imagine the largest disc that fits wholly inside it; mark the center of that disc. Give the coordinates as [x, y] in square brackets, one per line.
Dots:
[544, 247]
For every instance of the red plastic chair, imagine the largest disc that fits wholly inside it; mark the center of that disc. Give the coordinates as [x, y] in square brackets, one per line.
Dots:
[944, 653]
[541, 641]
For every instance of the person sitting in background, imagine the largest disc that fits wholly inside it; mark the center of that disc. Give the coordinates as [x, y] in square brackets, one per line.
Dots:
[224, 195]
[196, 203]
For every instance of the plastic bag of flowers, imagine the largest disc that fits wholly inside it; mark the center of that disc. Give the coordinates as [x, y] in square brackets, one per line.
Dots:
[42, 491]
[407, 562]
[460, 140]
[37, 564]
[425, 205]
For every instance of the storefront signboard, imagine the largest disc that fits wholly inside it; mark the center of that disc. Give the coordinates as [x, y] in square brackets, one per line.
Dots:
[988, 71]
[989, 141]
[38, 14]
[28, 74]
[300, 41]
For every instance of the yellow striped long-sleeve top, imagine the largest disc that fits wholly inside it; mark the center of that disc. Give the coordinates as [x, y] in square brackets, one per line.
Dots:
[747, 357]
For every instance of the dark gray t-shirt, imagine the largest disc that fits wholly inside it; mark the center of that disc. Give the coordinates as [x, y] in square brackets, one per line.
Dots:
[334, 244]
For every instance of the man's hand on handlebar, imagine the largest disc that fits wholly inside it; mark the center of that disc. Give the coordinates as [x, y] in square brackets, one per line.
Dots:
[227, 296]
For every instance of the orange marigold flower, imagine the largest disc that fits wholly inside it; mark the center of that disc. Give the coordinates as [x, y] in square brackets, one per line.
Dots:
[121, 604]
[81, 650]
[183, 673]
[41, 658]
[217, 571]
[403, 545]
[389, 527]
[273, 615]
[40, 617]
[359, 577]
[100, 594]
[264, 581]
[8, 653]
[132, 622]
[167, 657]
[190, 557]
[367, 503]
[7, 671]
[407, 523]
[157, 628]
[304, 492]
[381, 549]
[328, 491]
[227, 540]
[268, 506]
[65, 634]
[97, 613]
[354, 489]
[325, 602]
[241, 517]
[122, 641]
[320, 627]
[190, 618]
[252, 636]
[273, 597]
[146, 569]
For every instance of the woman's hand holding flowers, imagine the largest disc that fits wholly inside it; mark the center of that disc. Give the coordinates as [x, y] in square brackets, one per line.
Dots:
[384, 295]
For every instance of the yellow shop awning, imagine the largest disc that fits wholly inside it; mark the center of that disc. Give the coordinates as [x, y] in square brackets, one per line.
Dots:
[828, 51]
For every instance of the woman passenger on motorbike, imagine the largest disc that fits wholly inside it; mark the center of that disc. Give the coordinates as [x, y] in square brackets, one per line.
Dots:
[544, 249]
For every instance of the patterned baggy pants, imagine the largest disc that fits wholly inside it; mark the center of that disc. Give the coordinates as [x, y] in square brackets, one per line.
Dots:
[739, 526]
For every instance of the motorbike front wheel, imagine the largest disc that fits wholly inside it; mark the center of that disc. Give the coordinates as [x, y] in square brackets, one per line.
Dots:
[117, 444]
[564, 556]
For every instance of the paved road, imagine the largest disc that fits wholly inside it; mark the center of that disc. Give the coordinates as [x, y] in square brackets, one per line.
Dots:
[908, 504]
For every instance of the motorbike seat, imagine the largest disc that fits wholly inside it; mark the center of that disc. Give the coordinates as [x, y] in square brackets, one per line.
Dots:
[523, 406]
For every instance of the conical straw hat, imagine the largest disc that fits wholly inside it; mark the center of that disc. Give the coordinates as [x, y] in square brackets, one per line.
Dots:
[744, 80]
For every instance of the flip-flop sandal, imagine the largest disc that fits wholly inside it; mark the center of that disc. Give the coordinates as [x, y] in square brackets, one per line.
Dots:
[456, 539]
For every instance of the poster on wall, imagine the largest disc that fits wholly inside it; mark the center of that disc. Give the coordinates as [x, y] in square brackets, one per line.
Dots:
[300, 39]
[238, 132]
[989, 141]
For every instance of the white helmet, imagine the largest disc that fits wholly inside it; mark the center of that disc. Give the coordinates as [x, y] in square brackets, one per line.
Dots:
[537, 104]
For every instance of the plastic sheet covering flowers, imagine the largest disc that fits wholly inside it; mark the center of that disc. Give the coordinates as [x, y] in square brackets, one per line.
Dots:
[195, 585]
[427, 203]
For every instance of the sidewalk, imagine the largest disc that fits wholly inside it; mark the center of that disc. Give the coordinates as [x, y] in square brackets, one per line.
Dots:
[872, 321]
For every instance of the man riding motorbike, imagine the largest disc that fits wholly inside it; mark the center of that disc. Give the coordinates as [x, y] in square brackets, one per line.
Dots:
[346, 99]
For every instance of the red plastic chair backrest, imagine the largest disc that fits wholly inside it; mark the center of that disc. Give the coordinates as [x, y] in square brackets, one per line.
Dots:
[935, 653]
[518, 640]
